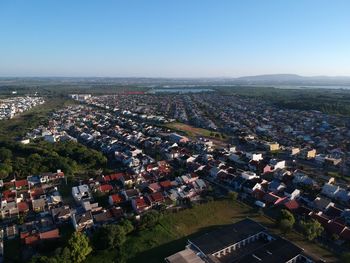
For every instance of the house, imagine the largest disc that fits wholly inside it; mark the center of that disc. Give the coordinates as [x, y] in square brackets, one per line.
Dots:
[115, 199]
[248, 175]
[291, 205]
[8, 209]
[103, 217]
[294, 151]
[300, 178]
[276, 186]
[277, 164]
[130, 194]
[139, 204]
[105, 188]
[199, 185]
[34, 237]
[61, 214]
[174, 137]
[11, 231]
[330, 190]
[82, 221]
[155, 198]
[272, 146]
[321, 203]
[250, 186]
[23, 207]
[254, 156]
[166, 185]
[20, 184]
[291, 192]
[273, 199]
[81, 193]
[39, 205]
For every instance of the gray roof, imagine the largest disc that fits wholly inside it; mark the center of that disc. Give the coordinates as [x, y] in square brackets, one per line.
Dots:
[216, 240]
[279, 250]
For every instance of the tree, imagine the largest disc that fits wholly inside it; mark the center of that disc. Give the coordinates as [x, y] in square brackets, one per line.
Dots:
[79, 247]
[150, 219]
[233, 195]
[127, 226]
[109, 236]
[311, 229]
[44, 259]
[345, 257]
[286, 220]
[5, 154]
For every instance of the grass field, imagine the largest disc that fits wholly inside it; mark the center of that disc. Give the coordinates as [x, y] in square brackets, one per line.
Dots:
[193, 132]
[173, 231]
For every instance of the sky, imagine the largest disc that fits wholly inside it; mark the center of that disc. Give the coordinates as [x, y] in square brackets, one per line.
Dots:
[174, 38]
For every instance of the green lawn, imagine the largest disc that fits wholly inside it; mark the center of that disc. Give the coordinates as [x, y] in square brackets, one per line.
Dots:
[194, 132]
[173, 231]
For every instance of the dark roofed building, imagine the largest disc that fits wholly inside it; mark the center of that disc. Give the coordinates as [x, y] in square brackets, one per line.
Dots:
[276, 251]
[243, 242]
[214, 241]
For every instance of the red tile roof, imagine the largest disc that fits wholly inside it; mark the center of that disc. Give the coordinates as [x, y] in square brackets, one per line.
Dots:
[21, 183]
[117, 176]
[106, 188]
[165, 184]
[23, 207]
[116, 198]
[292, 205]
[156, 197]
[140, 203]
[51, 234]
[9, 195]
[107, 178]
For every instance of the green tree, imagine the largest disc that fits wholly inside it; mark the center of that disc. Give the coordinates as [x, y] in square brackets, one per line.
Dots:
[311, 229]
[44, 259]
[5, 154]
[79, 247]
[127, 226]
[286, 220]
[345, 257]
[150, 219]
[109, 236]
[233, 195]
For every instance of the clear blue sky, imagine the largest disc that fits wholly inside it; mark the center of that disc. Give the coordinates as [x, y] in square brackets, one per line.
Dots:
[174, 38]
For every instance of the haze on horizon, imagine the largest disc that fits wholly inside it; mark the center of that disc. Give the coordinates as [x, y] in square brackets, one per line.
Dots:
[155, 38]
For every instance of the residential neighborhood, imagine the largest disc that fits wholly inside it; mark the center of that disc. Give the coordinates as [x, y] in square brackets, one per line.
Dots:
[157, 168]
[10, 107]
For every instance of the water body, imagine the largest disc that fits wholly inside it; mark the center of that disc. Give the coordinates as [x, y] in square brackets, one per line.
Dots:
[178, 90]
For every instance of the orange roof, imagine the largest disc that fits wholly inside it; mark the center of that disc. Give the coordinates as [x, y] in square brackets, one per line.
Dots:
[21, 183]
[156, 197]
[292, 205]
[51, 234]
[116, 176]
[165, 184]
[23, 206]
[106, 188]
[140, 202]
[116, 198]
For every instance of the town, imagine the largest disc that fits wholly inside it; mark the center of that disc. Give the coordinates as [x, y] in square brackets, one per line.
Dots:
[270, 159]
[12, 106]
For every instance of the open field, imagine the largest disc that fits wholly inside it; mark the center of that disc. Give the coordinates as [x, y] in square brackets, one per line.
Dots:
[193, 132]
[173, 231]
